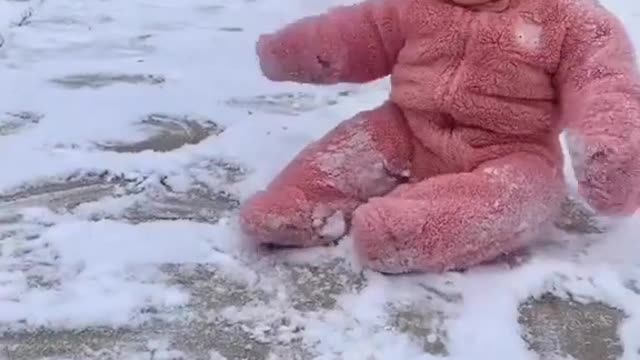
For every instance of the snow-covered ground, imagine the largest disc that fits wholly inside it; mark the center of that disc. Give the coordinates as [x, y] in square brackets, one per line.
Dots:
[130, 130]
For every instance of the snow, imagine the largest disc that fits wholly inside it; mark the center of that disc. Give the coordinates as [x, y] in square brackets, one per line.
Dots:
[335, 226]
[94, 258]
[106, 272]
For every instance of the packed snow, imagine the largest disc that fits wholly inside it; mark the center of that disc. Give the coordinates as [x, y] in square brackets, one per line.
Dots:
[77, 77]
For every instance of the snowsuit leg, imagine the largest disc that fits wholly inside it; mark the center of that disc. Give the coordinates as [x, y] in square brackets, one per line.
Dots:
[311, 201]
[455, 221]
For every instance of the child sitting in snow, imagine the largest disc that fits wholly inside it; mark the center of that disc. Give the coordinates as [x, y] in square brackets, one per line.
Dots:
[463, 163]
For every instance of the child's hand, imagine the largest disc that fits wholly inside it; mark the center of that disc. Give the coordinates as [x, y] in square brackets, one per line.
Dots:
[271, 59]
[608, 179]
[285, 56]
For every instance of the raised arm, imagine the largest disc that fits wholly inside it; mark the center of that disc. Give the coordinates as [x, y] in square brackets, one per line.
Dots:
[599, 89]
[356, 43]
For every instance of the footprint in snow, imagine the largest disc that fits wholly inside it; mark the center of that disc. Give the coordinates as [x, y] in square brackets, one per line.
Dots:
[168, 132]
[13, 122]
[100, 80]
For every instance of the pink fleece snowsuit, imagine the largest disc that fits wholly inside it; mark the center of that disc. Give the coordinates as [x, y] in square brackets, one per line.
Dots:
[463, 163]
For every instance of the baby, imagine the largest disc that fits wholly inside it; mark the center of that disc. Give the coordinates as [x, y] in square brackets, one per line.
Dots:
[463, 163]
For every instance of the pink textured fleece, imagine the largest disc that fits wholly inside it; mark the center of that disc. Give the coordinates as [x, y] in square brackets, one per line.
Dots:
[463, 163]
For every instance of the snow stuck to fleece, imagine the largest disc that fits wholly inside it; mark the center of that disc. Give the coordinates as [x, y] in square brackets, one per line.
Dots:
[105, 273]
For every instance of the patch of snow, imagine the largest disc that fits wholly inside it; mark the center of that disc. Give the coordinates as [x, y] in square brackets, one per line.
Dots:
[335, 226]
[104, 270]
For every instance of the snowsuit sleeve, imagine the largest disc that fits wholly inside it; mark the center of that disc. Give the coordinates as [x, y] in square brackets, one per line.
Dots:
[599, 90]
[356, 43]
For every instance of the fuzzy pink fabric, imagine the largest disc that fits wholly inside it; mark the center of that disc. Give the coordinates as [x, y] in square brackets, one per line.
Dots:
[463, 163]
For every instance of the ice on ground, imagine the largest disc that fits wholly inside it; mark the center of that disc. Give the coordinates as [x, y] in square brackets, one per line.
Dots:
[131, 130]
